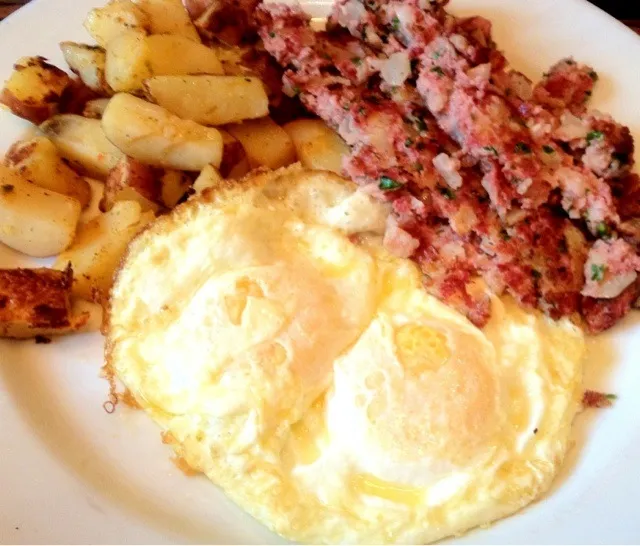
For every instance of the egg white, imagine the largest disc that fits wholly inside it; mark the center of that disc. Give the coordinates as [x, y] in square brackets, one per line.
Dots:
[305, 371]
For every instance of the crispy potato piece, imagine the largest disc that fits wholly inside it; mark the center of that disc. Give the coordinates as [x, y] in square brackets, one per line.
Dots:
[33, 220]
[83, 142]
[174, 185]
[169, 17]
[209, 178]
[38, 161]
[317, 146]
[225, 21]
[233, 155]
[116, 18]
[95, 108]
[149, 133]
[132, 58]
[75, 97]
[34, 89]
[131, 180]
[99, 246]
[37, 302]
[210, 100]
[265, 143]
[89, 64]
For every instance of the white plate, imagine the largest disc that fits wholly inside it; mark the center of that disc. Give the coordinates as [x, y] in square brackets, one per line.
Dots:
[71, 473]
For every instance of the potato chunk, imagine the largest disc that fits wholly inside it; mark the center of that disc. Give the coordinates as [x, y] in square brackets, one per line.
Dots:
[149, 133]
[34, 89]
[37, 302]
[83, 142]
[99, 246]
[95, 108]
[33, 220]
[169, 17]
[116, 18]
[89, 64]
[210, 100]
[174, 185]
[132, 58]
[265, 142]
[131, 180]
[209, 178]
[317, 146]
[38, 161]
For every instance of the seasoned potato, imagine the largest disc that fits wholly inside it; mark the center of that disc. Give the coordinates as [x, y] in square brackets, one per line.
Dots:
[116, 18]
[34, 89]
[234, 158]
[225, 21]
[169, 17]
[209, 178]
[37, 302]
[149, 133]
[174, 185]
[317, 146]
[88, 63]
[132, 58]
[82, 141]
[38, 161]
[33, 220]
[95, 108]
[265, 142]
[99, 246]
[210, 100]
[131, 180]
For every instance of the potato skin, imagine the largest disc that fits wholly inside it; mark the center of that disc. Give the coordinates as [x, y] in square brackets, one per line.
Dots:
[265, 143]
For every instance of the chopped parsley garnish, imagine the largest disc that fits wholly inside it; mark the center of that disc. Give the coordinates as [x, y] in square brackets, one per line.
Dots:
[7, 188]
[504, 235]
[593, 75]
[548, 149]
[437, 70]
[388, 184]
[272, 35]
[611, 396]
[448, 193]
[436, 54]
[536, 274]
[362, 110]
[395, 23]
[296, 91]
[602, 230]
[421, 126]
[356, 60]
[522, 148]
[346, 106]
[418, 166]
[408, 142]
[597, 272]
[490, 149]
[594, 135]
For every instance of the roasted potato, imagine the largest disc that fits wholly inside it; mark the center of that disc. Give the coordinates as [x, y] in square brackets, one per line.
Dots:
[95, 108]
[35, 221]
[34, 89]
[265, 143]
[209, 178]
[99, 246]
[82, 142]
[234, 158]
[88, 63]
[227, 22]
[210, 100]
[174, 185]
[132, 58]
[116, 18]
[317, 146]
[149, 133]
[131, 180]
[38, 161]
[169, 17]
[37, 302]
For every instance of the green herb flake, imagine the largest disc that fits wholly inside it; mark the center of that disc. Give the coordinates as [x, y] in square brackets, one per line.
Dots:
[388, 184]
[611, 396]
[356, 60]
[594, 135]
[408, 143]
[522, 148]
[272, 35]
[504, 235]
[548, 149]
[420, 124]
[597, 272]
[593, 75]
[437, 70]
[346, 106]
[7, 188]
[602, 230]
[436, 54]
[490, 149]
[448, 193]
[395, 23]
[418, 166]
[296, 91]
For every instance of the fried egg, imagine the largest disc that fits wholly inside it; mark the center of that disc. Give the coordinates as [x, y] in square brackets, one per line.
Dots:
[304, 370]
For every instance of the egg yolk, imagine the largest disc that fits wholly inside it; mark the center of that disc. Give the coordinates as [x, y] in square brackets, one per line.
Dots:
[420, 348]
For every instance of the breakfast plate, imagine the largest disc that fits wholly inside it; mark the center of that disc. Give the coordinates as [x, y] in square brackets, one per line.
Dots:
[73, 473]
